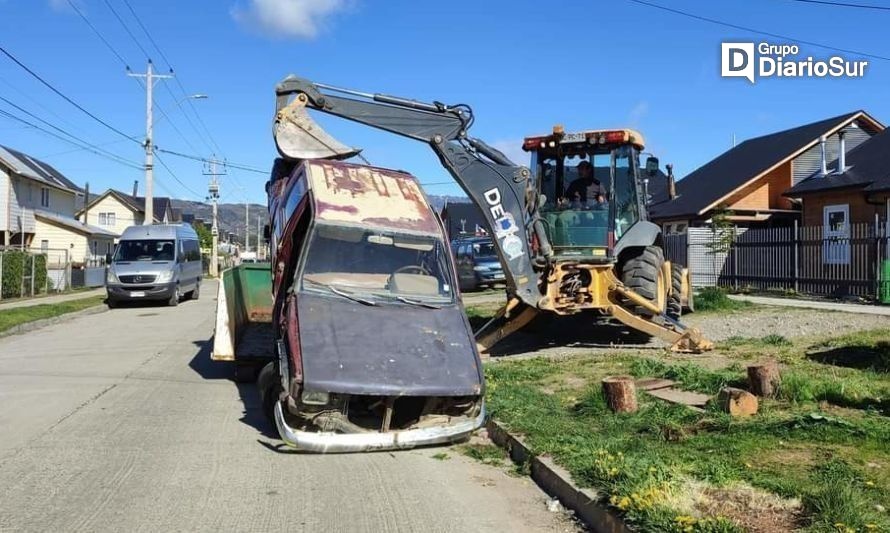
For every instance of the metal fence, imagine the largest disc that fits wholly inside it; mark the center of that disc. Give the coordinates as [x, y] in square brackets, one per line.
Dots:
[798, 258]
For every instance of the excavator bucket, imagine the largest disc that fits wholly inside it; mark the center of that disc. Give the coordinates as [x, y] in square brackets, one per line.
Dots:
[297, 136]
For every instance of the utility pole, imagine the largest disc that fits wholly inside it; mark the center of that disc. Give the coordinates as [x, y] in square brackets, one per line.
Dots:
[150, 78]
[258, 231]
[246, 226]
[213, 191]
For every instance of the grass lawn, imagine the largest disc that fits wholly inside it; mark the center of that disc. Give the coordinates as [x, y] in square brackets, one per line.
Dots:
[816, 458]
[21, 315]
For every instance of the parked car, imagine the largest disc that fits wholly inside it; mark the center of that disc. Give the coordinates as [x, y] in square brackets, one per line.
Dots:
[155, 262]
[477, 263]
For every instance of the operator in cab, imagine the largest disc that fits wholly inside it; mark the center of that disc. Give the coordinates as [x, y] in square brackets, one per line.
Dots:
[586, 192]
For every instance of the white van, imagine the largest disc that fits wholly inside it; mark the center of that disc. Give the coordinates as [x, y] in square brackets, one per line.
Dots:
[156, 262]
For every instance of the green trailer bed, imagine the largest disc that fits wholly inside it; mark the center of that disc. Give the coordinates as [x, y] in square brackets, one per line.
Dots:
[244, 315]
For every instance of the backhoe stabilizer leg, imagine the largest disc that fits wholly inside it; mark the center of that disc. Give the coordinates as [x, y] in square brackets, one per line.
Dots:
[680, 338]
[512, 317]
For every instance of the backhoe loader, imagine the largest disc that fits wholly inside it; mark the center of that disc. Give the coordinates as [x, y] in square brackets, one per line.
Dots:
[571, 232]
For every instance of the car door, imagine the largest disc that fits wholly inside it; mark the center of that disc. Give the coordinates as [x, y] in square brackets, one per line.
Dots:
[464, 264]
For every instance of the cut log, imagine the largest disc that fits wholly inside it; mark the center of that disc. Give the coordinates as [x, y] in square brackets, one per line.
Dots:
[620, 393]
[764, 379]
[737, 402]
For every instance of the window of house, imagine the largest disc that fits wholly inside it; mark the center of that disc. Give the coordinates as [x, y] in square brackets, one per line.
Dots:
[44, 197]
[111, 219]
[44, 246]
[836, 234]
[103, 219]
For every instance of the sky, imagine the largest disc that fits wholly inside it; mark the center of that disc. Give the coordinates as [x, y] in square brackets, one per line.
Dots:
[523, 67]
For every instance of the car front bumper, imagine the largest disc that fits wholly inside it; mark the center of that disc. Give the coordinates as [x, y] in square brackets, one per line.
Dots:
[154, 291]
[328, 442]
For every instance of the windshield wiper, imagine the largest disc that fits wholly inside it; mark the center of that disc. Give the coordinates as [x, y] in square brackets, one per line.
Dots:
[341, 292]
[418, 303]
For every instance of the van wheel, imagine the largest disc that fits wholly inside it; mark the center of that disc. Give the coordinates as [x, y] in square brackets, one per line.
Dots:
[196, 292]
[269, 383]
[112, 304]
[174, 299]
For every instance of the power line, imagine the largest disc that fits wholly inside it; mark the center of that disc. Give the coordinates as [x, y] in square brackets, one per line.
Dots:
[112, 157]
[145, 31]
[64, 96]
[127, 29]
[60, 130]
[175, 177]
[238, 166]
[759, 32]
[97, 32]
[843, 4]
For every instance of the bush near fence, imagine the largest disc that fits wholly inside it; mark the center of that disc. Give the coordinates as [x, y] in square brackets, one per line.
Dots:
[16, 273]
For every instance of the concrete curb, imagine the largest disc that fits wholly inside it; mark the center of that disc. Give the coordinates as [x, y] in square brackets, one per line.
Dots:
[557, 482]
[28, 327]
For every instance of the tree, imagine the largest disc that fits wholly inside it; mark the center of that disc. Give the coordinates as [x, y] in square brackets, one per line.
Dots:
[723, 234]
[204, 235]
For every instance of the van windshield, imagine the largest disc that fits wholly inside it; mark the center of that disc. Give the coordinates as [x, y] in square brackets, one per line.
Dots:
[145, 250]
[375, 263]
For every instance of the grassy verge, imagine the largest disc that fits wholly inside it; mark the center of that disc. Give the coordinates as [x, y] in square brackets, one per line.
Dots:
[715, 299]
[817, 457]
[20, 315]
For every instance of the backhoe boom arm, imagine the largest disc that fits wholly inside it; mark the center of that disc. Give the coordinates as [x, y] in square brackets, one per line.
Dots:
[498, 187]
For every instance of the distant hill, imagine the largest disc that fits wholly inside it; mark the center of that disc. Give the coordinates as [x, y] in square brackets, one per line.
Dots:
[231, 216]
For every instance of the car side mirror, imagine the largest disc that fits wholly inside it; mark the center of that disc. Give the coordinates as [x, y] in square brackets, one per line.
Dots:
[651, 165]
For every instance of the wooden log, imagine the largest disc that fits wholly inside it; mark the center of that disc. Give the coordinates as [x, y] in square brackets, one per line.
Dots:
[764, 379]
[737, 402]
[621, 394]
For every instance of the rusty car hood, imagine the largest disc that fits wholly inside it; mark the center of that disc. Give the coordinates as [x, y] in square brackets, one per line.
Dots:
[390, 349]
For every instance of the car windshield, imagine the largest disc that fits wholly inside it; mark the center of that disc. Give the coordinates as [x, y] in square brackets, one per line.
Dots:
[483, 249]
[358, 261]
[145, 250]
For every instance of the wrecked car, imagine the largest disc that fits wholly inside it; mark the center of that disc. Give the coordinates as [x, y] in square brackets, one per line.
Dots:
[373, 348]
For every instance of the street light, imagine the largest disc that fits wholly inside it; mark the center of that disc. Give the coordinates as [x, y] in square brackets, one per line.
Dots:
[198, 96]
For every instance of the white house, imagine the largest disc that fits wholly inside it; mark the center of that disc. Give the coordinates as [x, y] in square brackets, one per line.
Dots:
[37, 206]
[114, 210]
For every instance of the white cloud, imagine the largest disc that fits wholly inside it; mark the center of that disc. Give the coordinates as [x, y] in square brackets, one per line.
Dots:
[638, 112]
[512, 148]
[59, 5]
[301, 19]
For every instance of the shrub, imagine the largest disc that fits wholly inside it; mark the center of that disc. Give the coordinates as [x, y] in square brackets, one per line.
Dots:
[15, 264]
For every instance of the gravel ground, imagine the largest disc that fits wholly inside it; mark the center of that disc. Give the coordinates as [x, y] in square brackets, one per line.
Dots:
[551, 336]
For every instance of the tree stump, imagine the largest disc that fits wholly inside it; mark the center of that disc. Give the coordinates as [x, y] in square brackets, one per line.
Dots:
[737, 402]
[621, 394]
[764, 379]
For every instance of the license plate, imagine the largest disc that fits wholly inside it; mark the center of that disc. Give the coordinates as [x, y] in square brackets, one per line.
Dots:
[137, 294]
[573, 138]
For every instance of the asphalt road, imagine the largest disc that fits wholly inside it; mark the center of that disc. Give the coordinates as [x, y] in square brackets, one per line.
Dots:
[119, 421]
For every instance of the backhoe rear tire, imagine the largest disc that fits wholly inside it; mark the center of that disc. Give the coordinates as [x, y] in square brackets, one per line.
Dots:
[642, 274]
[675, 300]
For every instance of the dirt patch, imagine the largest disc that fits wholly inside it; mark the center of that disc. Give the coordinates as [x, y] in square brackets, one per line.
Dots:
[753, 510]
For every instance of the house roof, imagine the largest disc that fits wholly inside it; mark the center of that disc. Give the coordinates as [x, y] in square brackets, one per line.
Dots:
[30, 167]
[868, 166]
[712, 182]
[72, 224]
[135, 203]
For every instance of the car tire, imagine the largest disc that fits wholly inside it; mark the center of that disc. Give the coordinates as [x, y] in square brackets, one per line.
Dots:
[675, 300]
[642, 273]
[112, 304]
[269, 384]
[175, 297]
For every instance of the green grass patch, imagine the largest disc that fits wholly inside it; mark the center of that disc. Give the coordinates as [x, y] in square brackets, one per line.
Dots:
[480, 314]
[11, 318]
[715, 299]
[484, 453]
[822, 443]
[441, 456]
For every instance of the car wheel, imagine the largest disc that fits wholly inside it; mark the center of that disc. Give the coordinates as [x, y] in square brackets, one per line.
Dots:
[112, 304]
[269, 383]
[196, 292]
